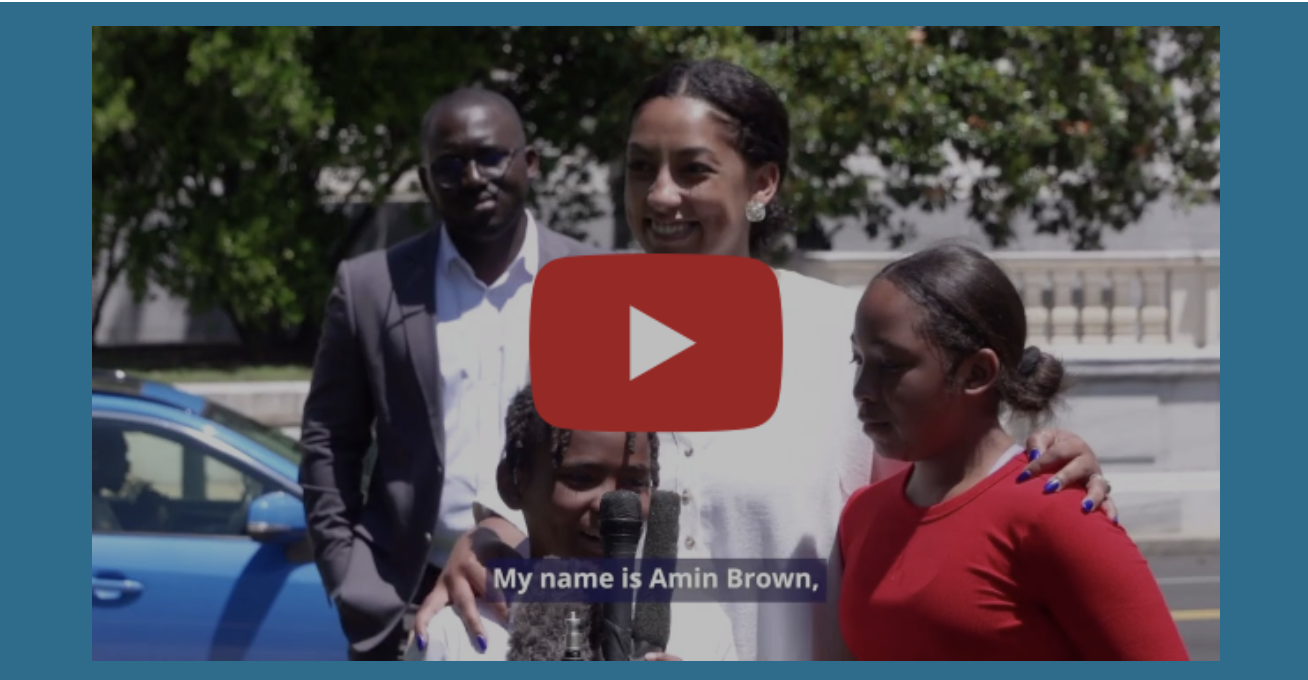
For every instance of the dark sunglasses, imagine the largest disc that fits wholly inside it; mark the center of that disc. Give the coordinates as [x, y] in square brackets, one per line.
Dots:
[448, 170]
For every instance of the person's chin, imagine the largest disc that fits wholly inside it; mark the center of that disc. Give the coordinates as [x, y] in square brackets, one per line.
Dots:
[505, 219]
[878, 429]
[886, 441]
[482, 226]
[467, 222]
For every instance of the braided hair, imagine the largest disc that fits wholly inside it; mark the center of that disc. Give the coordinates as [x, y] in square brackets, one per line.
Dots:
[755, 113]
[527, 432]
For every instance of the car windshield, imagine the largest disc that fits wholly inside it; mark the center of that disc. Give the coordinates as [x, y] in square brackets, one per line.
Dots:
[270, 438]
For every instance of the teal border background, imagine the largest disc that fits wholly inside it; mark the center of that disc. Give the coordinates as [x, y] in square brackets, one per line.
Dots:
[43, 88]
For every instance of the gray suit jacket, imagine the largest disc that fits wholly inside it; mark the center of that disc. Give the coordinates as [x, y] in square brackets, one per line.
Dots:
[378, 368]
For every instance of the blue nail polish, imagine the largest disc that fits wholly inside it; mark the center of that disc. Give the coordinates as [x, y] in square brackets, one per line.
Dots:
[1052, 486]
[481, 643]
[1087, 505]
[422, 644]
[1114, 520]
[1033, 455]
[1026, 474]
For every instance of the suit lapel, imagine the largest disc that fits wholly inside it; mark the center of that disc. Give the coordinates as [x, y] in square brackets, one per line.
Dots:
[416, 296]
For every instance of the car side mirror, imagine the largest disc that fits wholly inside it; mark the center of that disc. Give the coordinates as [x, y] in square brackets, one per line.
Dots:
[277, 517]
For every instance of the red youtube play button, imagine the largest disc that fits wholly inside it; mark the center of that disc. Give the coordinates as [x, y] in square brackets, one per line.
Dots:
[656, 343]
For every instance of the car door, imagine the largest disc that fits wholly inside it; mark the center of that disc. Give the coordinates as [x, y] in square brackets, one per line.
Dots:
[173, 573]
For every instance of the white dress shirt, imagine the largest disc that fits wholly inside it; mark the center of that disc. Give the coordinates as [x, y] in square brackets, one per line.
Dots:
[481, 333]
[777, 491]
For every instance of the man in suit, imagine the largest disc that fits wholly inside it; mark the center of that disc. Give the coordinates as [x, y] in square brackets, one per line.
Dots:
[423, 346]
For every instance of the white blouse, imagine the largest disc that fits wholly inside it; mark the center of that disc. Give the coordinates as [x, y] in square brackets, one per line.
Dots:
[776, 492]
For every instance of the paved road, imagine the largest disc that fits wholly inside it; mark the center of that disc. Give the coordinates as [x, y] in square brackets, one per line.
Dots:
[1193, 588]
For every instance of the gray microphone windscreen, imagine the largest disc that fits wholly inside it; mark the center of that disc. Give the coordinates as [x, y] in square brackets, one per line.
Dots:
[652, 623]
[540, 628]
[620, 505]
[663, 526]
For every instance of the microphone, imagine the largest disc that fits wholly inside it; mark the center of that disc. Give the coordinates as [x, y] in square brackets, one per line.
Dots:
[620, 526]
[549, 629]
[573, 645]
[652, 625]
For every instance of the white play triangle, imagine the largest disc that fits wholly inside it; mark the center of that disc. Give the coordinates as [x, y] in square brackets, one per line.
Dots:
[653, 343]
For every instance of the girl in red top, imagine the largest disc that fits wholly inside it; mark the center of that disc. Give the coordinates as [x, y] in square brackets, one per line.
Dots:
[950, 559]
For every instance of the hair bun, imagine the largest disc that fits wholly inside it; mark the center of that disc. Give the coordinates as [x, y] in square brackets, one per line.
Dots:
[1030, 360]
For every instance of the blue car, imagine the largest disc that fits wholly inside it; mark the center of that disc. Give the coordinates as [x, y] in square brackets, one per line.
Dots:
[198, 543]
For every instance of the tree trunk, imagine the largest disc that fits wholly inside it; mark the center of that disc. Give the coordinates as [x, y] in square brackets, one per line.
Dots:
[111, 276]
[113, 269]
[617, 196]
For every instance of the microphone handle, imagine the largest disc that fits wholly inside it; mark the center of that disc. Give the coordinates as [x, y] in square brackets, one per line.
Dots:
[616, 642]
[621, 536]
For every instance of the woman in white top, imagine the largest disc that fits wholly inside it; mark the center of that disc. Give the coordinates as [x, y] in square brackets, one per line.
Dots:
[707, 152]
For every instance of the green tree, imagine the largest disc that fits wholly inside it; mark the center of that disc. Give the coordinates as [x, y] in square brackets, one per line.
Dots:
[213, 149]
[1080, 128]
[210, 146]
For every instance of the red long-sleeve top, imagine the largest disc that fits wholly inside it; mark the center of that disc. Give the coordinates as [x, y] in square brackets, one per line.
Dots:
[1000, 572]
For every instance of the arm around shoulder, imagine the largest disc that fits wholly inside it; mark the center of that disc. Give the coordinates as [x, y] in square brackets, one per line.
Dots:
[1093, 579]
[437, 645]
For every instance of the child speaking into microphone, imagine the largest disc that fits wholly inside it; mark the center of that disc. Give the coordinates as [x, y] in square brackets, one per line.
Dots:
[557, 478]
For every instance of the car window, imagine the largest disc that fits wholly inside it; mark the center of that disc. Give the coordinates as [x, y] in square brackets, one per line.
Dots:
[272, 439]
[150, 479]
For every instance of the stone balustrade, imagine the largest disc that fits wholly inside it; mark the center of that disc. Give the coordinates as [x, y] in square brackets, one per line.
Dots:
[1085, 298]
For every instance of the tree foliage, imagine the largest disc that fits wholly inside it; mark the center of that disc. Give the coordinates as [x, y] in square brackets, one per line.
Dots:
[213, 148]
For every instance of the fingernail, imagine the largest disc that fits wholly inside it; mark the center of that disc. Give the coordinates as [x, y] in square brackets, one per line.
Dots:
[1026, 474]
[481, 643]
[422, 644]
[1087, 505]
[1114, 520]
[1052, 486]
[1034, 454]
